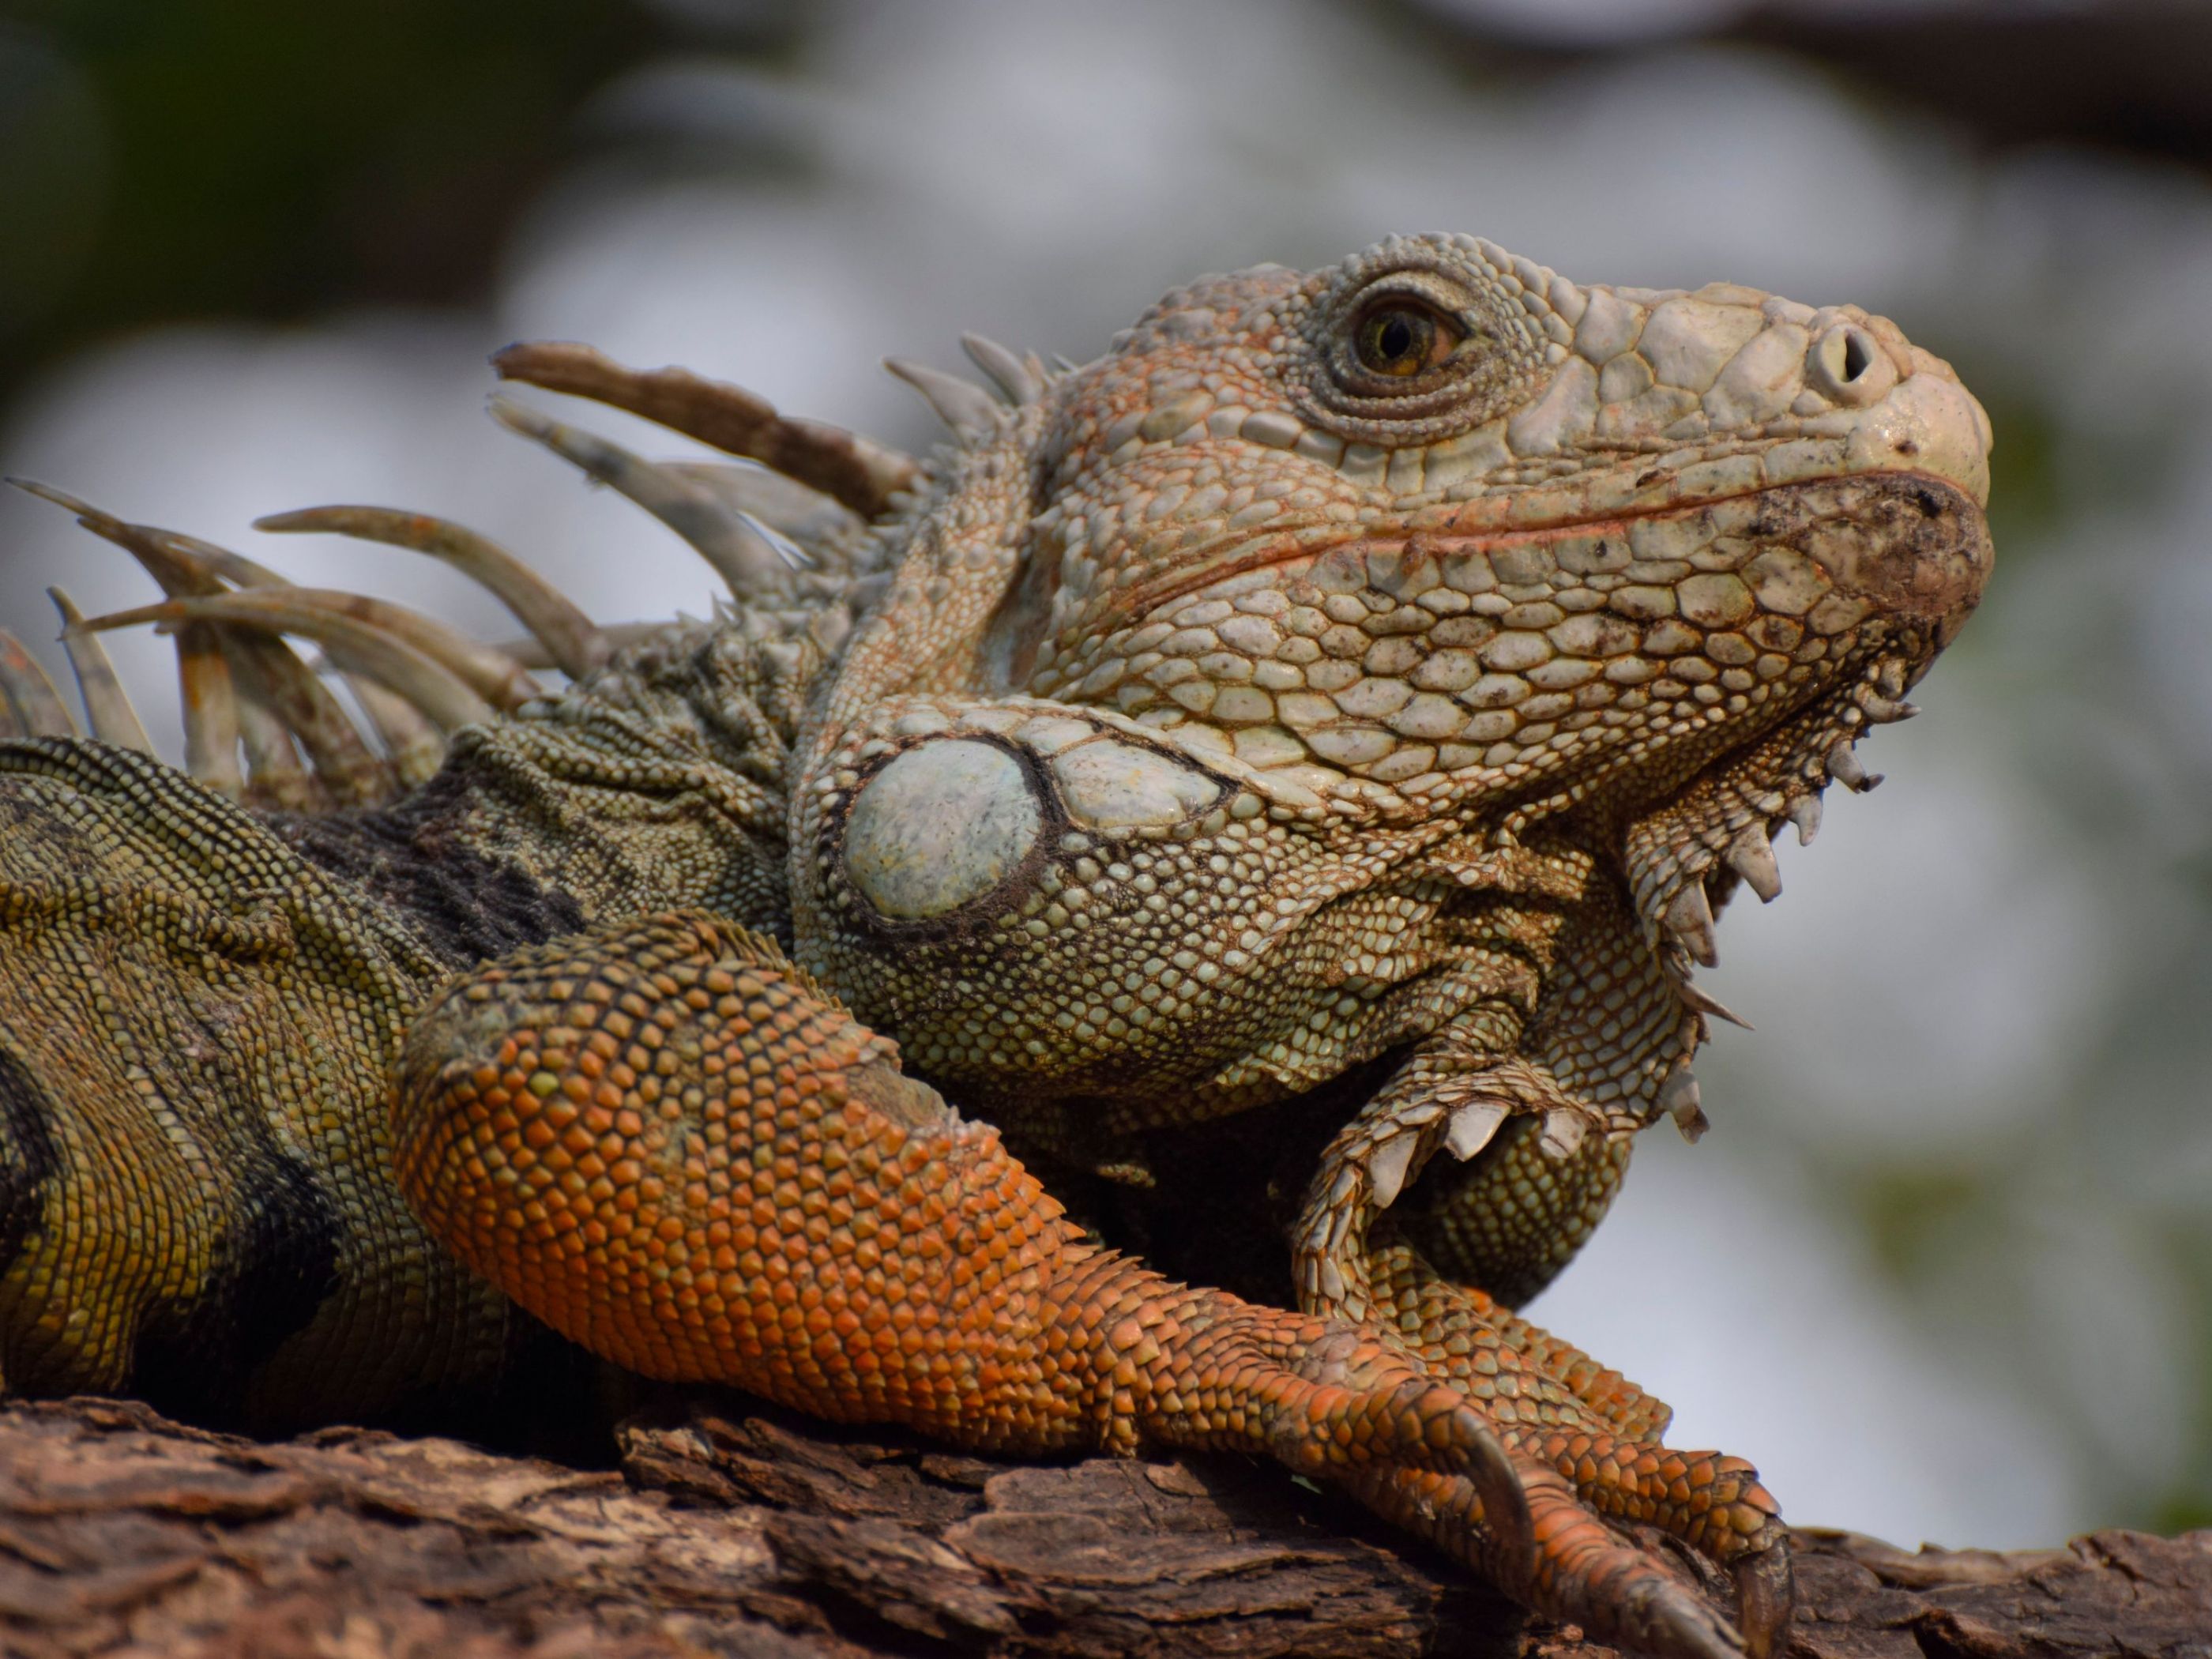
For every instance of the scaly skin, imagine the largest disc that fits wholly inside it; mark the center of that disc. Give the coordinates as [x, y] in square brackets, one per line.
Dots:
[1340, 709]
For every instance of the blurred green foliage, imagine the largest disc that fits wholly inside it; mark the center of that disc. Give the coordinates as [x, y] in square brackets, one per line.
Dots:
[267, 158]
[1914, 1214]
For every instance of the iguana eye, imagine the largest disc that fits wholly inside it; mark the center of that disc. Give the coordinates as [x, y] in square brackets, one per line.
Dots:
[1400, 338]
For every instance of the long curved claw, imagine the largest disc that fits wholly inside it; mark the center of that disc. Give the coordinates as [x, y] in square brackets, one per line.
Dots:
[1554, 1405]
[570, 638]
[108, 708]
[1580, 1571]
[844, 465]
[1766, 1599]
[28, 693]
[1357, 1424]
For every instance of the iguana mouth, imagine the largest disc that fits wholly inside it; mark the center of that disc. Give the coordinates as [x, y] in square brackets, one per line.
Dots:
[1903, 573]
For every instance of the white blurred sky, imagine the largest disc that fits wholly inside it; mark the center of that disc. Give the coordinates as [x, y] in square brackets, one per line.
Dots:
[1947, 965]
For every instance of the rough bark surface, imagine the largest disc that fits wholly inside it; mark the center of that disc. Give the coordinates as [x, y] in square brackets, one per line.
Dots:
[731, 1532]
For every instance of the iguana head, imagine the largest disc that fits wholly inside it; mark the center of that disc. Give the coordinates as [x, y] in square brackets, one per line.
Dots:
[1354, 586]
[1439, 520]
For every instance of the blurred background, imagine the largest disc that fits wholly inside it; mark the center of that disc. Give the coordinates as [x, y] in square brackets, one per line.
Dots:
[1944, 1269]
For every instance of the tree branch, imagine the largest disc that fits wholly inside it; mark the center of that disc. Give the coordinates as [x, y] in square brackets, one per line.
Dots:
[729, 1531]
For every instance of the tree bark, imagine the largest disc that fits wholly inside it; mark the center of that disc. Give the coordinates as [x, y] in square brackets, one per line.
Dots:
[732, 1530]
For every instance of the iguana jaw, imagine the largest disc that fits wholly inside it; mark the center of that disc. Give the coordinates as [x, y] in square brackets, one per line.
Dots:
[1700, 806]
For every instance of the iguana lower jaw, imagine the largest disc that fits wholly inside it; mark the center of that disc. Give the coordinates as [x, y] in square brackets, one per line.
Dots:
[1702, 806]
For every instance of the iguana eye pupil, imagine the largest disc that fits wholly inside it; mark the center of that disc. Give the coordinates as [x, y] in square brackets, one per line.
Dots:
[1401, 340]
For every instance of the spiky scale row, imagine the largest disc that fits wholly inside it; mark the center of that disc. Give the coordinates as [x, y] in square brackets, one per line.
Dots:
[574, 644]
[866, 475]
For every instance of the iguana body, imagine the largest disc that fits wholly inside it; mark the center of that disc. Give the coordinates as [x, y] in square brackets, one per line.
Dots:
[1311, 739]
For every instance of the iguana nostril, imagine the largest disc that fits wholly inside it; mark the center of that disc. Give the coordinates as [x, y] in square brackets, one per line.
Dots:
[939, 826]
[1849, 365]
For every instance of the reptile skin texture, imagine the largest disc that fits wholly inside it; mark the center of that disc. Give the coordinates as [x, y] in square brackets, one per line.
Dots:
[1246, 810]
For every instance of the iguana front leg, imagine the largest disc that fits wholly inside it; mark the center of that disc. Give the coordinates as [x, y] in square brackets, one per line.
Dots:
[1540, 1137]
[670, 1144]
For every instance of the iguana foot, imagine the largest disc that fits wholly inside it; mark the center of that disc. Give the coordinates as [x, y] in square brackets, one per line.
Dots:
[1596, 1431]
[670, 1145]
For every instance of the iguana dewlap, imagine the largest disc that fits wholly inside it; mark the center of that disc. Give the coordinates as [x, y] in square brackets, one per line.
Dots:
[1277, 781]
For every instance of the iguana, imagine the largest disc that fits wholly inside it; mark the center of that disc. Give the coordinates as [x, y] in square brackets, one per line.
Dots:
[1314, 738]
